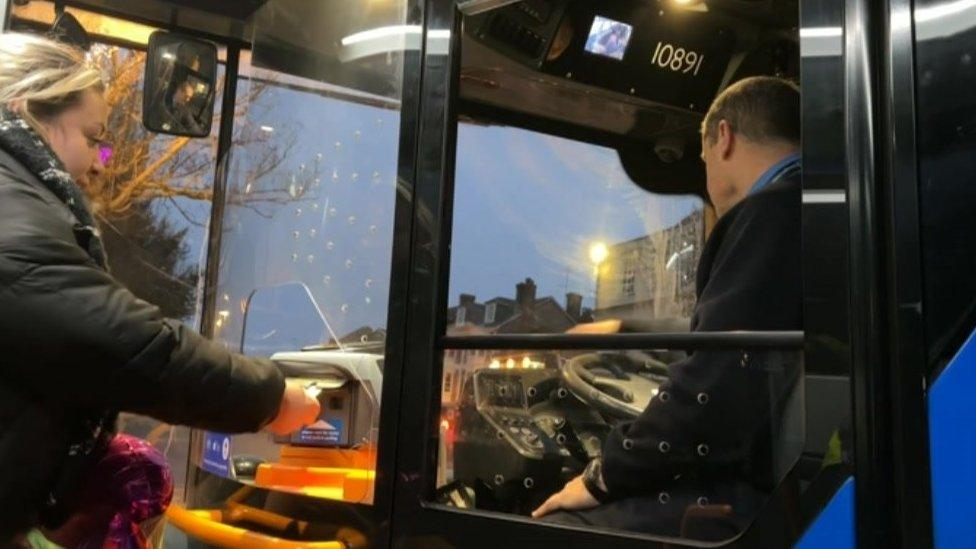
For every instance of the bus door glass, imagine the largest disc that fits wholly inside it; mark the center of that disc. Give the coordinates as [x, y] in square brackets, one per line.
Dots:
[306, 239]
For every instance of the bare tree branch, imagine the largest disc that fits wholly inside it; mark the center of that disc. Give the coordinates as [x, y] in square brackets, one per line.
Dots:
[146, 166]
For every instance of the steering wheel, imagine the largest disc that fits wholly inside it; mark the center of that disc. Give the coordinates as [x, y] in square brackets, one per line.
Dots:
[610, 382]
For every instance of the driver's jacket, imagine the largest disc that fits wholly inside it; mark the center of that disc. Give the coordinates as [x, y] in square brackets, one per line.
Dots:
[713, 421]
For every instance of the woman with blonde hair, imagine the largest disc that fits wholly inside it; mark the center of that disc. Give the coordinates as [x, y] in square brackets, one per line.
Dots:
[75, 346]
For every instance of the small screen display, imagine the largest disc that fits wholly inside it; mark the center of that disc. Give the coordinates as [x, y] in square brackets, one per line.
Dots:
[608, 38]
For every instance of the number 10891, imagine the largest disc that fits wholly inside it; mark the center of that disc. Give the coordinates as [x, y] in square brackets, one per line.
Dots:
[677, 59]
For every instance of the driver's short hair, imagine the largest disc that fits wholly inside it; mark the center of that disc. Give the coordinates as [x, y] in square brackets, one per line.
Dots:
[763, 109]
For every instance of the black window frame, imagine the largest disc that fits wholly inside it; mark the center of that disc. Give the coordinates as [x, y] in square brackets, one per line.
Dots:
[416, 518]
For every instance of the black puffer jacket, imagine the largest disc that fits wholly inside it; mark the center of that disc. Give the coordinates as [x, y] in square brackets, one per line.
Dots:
[74, 342]
[711, 421]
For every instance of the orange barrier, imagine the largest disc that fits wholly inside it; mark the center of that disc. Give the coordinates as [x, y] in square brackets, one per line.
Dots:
[338, 483]
[342, 475]
[208, 527]
[305, 456]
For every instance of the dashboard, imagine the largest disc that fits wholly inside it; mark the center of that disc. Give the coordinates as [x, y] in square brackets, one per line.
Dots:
[521, 435]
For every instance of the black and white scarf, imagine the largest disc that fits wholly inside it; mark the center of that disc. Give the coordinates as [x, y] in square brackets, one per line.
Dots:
[19, 139]
[90, 430]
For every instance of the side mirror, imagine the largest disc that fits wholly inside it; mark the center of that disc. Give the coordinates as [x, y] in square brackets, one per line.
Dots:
[179, 85]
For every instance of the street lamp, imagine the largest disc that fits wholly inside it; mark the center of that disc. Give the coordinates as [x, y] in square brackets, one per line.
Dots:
[598, 254]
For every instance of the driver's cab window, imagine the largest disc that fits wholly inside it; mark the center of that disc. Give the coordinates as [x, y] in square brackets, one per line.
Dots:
[552, 233]
[593, 197]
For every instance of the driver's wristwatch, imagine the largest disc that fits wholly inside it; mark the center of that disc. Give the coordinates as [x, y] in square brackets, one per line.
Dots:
[593, 480]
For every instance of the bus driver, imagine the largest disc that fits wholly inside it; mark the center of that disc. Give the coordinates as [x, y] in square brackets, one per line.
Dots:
[705, 438]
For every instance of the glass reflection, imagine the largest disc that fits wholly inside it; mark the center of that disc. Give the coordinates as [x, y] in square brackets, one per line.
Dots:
[286, 222]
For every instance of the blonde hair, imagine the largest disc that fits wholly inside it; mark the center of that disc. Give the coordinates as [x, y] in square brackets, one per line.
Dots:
[41, 78]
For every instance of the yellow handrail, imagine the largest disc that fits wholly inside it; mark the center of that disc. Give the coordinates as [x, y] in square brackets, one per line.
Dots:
[208, 527]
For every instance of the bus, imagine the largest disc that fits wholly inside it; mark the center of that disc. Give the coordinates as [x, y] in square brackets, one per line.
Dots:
[418, 208]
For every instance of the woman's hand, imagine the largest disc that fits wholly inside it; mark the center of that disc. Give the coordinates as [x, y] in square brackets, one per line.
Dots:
[573, 497]
[297, 410]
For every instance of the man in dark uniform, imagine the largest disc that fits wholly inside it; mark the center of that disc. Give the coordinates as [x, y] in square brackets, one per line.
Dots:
[707, 443]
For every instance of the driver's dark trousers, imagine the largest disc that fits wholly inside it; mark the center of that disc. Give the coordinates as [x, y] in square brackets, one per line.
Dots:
[680, 511]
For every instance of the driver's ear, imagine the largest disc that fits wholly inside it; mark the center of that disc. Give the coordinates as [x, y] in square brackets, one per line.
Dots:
[725, 138]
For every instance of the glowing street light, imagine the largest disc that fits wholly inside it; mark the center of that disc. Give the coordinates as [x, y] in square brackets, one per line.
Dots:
[599, 253]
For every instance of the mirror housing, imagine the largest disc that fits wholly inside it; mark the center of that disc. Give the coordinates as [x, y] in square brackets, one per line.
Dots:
[179, 85]
[666, 166]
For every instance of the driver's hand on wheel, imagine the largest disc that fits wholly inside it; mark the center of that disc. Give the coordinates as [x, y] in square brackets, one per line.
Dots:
[573, 497]
[297, 409]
